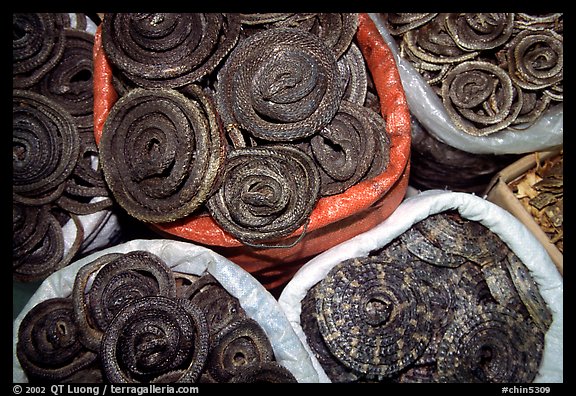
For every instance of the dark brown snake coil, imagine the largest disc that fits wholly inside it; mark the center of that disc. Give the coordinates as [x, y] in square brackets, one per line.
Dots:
[168, 50]
[37, 46]
[239, 345]
[45, 147]
[154, 338]
[267, 192]
[336, 30]
[353, 144]
[478, 315]
[48, 347]
[131, 319]
[119, 279]
[161, 152]
[70, 82]
[279, 84]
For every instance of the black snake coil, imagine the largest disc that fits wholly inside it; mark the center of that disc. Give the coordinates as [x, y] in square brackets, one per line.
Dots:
[161, 152]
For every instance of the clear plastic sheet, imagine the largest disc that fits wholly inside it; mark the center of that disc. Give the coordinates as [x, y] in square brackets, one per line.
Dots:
[546, 133]
[185, 257]
[418, 207]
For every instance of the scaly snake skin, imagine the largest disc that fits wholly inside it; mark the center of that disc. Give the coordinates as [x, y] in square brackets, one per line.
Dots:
[268, 192]
[524, 51]
[48, 345]
[279, 85]
[154, 336]
[168, 50]
[45, 147]
[37, 46]
[480, 319]
[161, 152]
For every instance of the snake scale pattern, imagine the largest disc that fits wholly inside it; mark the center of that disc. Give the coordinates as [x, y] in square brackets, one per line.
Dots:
[446, 301]
[131, 319]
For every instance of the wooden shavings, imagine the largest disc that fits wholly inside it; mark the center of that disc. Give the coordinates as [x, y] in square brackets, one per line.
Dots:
[540, 190]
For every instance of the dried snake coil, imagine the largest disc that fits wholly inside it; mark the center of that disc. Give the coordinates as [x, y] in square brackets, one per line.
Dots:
[70, 82]
[267, 192]
[161, 152]
[168, 50]
[37, 46]
[45, 147]
[48, 347]
[279, 84]
[373, 316]
[155, 339]
[490, 343]
[480, 97]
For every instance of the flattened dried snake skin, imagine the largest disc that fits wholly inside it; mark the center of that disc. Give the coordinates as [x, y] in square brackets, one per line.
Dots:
[336, 371]
[70, 83]
[490, 344]
[161, 152]
[45, 146]
[479, 97]
[528, 291]
[463, 237]
[421, 247]
[155, 338]
[373, 316]
[48, 346]
[37, 46]
[279, 84]
[480, 31]
[238, 346]
[168, 50]
[267, 192]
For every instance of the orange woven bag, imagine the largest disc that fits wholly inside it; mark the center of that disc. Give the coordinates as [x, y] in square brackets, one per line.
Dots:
[335, 218]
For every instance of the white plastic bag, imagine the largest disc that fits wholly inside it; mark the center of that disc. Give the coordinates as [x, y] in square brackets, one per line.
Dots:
[188, 258]
[415, 208]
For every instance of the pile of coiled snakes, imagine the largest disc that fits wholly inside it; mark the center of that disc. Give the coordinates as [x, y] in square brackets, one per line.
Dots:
[131, 319]
[446, 301]
[251, 118]
[492, 71]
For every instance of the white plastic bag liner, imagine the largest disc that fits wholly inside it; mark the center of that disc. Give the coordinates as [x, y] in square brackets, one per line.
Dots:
[188, 258]
[546, 133]
[416, 208]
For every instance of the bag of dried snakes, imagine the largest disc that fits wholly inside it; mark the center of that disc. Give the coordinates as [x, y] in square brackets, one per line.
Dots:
[156, 311]
[449, 288]
[485, 83]
[60, 207]
[275, 135]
